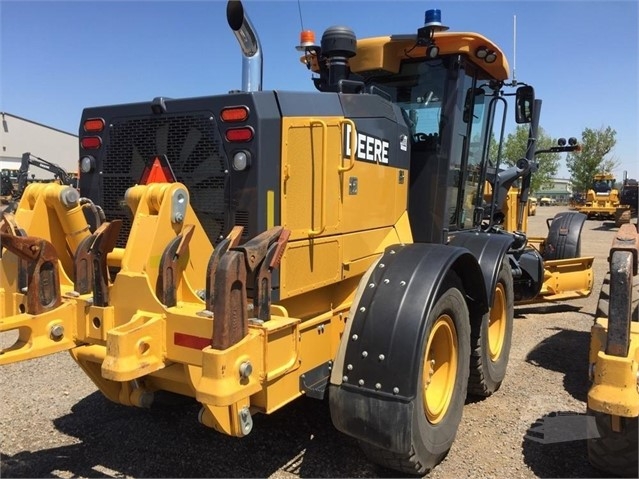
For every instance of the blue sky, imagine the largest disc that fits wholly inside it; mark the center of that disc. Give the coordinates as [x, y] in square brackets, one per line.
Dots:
[58, 57]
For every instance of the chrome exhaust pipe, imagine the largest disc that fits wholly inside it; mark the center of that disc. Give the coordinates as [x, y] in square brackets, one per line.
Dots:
[249, 43]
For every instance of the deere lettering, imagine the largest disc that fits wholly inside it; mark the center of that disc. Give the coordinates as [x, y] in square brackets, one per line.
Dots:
[367, 147]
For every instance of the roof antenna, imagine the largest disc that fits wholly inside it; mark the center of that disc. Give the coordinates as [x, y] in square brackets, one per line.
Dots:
[514, 82]
[299, 8]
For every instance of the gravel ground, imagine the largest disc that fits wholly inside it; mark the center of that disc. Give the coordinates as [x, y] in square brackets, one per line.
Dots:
[55, 424]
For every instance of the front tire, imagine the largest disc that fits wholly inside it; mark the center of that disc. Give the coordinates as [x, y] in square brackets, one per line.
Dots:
[441, 386]
[614, 452]
[491, 338]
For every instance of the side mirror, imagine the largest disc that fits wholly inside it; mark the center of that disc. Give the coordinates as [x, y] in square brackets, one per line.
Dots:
[525, 102]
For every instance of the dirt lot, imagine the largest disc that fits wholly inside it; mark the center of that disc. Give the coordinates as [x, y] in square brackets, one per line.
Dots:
[55, 424]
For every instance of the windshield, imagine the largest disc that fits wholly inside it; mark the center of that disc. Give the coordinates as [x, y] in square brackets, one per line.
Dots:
[603, 186]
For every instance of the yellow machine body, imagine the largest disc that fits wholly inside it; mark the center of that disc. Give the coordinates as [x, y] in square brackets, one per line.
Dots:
[136, 345]
[249, 248]
[614, 379]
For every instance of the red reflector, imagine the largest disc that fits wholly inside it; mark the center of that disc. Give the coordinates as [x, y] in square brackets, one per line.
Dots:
[91, 142]
[239, 134]
[189, 341]
[236, 113]
[157, 171]
[93, 125]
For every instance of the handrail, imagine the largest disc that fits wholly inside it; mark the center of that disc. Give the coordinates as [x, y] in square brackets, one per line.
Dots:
[351, 162]
[315, 232]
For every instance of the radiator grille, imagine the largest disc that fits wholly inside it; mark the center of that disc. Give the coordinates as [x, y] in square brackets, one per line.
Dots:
[193, 148]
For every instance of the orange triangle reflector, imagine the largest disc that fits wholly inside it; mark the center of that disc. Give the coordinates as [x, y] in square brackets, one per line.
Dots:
[159, 171]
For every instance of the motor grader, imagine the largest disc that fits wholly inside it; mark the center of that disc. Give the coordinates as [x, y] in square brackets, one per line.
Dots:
[613, 398]
[263, 245]
[603, 201]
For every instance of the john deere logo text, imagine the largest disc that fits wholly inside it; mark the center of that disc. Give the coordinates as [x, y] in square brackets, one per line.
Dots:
[367, 147]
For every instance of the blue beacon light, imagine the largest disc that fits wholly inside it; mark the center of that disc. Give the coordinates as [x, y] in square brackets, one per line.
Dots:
[432, 24]
[433, 18]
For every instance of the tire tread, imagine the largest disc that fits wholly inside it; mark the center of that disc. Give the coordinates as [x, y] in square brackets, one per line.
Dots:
[603, 303]
[479, 384]
[614, 452]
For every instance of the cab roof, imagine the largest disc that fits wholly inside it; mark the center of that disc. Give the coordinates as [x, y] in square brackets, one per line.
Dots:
[386, 53]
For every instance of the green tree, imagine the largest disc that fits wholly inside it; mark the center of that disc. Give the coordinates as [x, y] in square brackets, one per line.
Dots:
[584, 164]
[515, 147]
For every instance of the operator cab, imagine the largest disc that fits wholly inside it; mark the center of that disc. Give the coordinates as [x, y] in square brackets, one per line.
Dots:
[448, 86]
[603, 186]
[445, 104]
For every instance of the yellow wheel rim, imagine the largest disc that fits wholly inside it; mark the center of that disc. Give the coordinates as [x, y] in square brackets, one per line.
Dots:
[497, 323]
[440, 368]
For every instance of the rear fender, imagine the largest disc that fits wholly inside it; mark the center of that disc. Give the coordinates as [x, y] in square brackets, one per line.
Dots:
[564, 236]
[374, 376]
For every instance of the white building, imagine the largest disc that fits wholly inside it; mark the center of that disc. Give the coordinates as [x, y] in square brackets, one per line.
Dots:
[19, 135]
[560, 191]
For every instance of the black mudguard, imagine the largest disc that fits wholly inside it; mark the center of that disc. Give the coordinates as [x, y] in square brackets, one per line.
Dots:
[375, 373]
[489, 249]
[564, 236]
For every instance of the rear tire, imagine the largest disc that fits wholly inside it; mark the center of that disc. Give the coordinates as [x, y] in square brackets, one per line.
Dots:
[441, 387]
[491, 338]
[614, 452]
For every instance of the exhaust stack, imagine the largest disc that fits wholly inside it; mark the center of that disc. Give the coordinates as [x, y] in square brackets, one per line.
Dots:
[249, 43]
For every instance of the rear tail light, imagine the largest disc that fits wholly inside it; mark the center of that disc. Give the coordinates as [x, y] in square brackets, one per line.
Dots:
[239, 134]
[91, 142]
[93, 125]
[234, 114]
